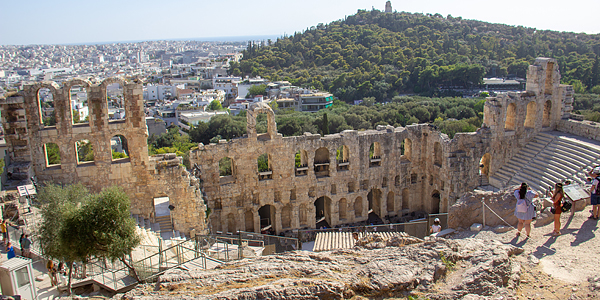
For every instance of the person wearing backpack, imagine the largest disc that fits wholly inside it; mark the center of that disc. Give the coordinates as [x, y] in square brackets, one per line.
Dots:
[524, 210]
[595, 194]
[557, 198]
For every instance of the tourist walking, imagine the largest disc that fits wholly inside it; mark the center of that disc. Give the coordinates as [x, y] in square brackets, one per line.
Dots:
[595, 194]
[524, 210]
[10, 250]
[557, 197]
[52, 272]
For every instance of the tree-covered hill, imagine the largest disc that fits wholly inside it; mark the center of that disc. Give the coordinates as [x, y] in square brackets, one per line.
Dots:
[377, 54]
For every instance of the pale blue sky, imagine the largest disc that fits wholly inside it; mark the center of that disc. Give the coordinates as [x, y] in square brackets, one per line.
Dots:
[66, 21]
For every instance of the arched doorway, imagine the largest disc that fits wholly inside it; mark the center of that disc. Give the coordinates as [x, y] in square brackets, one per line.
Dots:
[342, 209]
[374, 199]
[405, 199]
[286, 216]
[358, 207]
[267, 219]
[435, 202]
[322, 212]
[484, 169]
[391, 203]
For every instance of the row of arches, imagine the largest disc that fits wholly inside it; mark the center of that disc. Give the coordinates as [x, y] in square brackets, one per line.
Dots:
[321, 161]
[530, 117]
[77, 106]
[323, 210]
[84, 150]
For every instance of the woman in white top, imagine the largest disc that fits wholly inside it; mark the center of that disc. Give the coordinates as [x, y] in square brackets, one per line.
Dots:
[436, 227]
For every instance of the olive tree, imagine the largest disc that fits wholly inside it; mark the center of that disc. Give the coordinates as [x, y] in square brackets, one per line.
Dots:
[78, 226]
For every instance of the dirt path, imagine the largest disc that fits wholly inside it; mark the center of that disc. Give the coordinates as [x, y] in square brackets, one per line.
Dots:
[563, 267]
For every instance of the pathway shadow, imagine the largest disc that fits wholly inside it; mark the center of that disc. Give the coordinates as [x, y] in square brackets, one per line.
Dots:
[586, 232]
[544, 249]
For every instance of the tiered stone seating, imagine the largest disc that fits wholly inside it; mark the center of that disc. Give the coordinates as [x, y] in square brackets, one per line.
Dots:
[549, 158]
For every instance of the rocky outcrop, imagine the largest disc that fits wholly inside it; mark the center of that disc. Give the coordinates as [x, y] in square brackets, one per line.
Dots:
[482, 268]
[467, 210]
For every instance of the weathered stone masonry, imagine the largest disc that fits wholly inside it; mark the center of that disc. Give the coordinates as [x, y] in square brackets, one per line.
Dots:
[412, 168]
[141, 176]
[431, 164]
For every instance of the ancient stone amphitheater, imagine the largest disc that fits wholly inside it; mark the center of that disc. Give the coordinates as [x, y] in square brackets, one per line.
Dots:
[339, 178]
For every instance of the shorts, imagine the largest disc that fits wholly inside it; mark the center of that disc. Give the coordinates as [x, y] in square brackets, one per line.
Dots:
[595, 199]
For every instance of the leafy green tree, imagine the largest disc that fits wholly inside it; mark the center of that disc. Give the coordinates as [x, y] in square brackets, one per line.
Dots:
[260, 89]
[215, 105]
[77, 225]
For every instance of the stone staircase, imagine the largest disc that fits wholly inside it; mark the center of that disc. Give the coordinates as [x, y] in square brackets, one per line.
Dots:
[163, 227]
[548, 158]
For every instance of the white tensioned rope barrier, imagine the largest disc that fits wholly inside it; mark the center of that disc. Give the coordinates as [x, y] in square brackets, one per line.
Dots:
[482, 202]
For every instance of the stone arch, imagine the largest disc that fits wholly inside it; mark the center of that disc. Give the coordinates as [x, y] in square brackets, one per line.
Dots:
[397, 180]
[358, 207]
[405, 198]
[531, 115]
[249, 218]
[484, 164]
[267, 218]
[119, 148]
[263, 163]
[391, 202]
[115, 101]
[547, 114]
[511, 117]
[321, 162]
[52, 154]
[79, 100]
[437, 154]
[406, 149]
[47, 106]
[342, 156]
[231, 225]
[226, 167]
[435, 202]
[375, 154]
[85, 151]
[252, 113]
[322, 211]
[374, 199]
[343, 209]
[301, 163]
[286, 216]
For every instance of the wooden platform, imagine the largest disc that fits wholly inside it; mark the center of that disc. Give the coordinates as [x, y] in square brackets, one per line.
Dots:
[326, 241]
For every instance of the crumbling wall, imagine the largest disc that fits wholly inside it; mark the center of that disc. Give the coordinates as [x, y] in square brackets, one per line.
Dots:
[141, 178]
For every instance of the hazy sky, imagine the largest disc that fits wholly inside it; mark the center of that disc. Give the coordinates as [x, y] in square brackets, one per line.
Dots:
[65, 21]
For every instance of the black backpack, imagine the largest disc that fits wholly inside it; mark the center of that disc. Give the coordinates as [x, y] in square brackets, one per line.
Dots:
[566, 205]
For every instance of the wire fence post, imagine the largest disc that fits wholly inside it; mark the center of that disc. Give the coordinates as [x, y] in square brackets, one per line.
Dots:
[483, 208]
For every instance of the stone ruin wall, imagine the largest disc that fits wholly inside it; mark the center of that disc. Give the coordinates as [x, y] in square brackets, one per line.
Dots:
[141, 177]
[399, 183]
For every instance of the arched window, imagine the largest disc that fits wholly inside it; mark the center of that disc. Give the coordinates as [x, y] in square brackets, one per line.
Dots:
[52, 153]
[397, 180]
[119, 149]
[301, 163]
[85, 151]
[78, 100]
[249, 219]
[531, 115]
[437, 154]
[225, 167]
[342, 158]
[116, 102]
[264, 167]
[511, 115]
[406, 149]
[375, 154]
[322, 162]
[46, 106]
